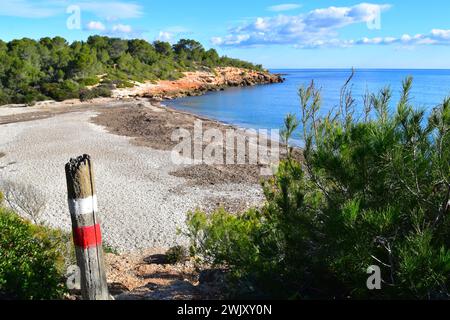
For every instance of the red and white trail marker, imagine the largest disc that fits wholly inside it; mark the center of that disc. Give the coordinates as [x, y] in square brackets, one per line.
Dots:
[87, 234]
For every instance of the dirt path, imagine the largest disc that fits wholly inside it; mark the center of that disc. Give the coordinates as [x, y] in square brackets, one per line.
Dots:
[147, 276]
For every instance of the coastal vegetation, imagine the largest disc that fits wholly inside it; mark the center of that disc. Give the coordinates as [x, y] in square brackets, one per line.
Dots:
[34, 259]
[372, 187]
[373, 190]
[52, 68]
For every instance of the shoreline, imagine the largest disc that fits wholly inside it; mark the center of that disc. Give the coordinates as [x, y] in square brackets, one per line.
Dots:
[157, 198]
[192, 84]
[130, 144]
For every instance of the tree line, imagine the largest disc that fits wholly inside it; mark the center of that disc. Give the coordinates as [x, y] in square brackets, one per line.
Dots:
[53, 68]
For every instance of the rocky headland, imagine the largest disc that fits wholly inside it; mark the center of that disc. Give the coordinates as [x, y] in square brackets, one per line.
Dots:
[198, 83]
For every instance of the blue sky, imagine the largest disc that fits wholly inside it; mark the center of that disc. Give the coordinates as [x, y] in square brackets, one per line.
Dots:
[277, 34]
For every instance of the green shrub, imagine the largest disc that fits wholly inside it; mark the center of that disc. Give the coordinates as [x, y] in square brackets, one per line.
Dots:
[372, 190]
[107, 82]
[5, 96]
[177, 254]
[86, 95]
[223, 237]
[32, 259]
[103, 91]
[100, 91]
[89, 81]
[110, 249]
[61, 91]
[26, 95]
[120, 84]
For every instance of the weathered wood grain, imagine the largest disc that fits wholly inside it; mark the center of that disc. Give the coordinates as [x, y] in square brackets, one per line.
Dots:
[85, 224]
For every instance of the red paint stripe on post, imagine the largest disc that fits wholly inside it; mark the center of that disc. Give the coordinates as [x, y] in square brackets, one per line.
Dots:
[87, 237]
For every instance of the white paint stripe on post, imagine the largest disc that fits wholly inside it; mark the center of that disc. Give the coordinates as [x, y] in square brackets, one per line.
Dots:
[79, 207]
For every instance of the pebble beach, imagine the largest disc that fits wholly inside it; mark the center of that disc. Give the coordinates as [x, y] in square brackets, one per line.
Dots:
[141, 204]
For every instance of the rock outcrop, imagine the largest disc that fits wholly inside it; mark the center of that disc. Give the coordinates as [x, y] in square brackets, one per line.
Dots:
[199, 82]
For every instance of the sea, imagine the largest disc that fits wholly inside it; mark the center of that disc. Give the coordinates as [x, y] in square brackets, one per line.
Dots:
[265, 106]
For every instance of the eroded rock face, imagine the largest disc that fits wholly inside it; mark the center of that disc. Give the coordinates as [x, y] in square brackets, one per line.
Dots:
[200, 82]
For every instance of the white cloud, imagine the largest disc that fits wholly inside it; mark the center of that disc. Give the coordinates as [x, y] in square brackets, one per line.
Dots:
[442, 34]
[170, 34]
[320, 28]
[284, 7]
[231, 40]
[165, 36]
[26, 9]
[338, 17]
[105, 9]
[122, 28]
[96, 25]
[112, 10]
[304, 30]
[434, 37]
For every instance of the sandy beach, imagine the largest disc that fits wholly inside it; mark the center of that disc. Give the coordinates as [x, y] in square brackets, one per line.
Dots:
[143, 196]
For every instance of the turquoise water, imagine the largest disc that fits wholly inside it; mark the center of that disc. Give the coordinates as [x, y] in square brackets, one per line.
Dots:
[265, 106]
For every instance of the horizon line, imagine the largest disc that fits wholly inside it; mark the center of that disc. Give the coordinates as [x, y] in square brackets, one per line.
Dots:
[356, 68]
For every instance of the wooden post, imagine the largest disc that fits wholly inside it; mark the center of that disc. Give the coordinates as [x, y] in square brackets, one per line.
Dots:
[86, 228]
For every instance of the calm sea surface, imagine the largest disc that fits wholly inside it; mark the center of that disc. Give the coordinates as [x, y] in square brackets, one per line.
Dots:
[266, 106]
